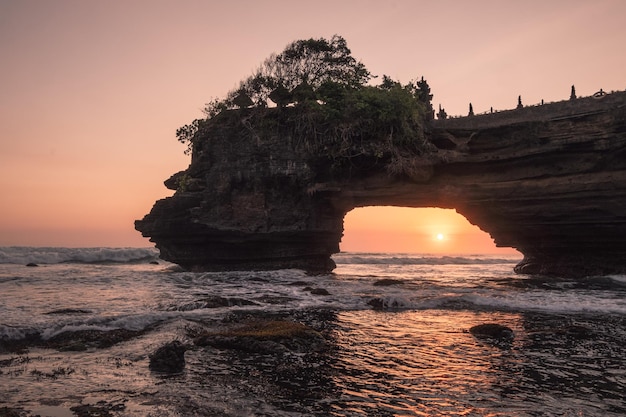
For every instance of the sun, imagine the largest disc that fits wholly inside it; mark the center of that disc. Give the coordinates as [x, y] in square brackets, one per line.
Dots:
[440, 237]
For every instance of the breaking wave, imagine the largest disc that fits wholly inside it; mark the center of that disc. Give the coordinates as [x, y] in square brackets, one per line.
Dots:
[52, 255]
[408, 259]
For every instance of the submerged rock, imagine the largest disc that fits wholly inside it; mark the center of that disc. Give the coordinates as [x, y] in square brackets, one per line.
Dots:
[69, 311]
[493, 333]
[85, 339]
[101, 409]
[317, 291]
[379, 303]
[265, 336]
[12, 412]
[214, 302]
[386, 282]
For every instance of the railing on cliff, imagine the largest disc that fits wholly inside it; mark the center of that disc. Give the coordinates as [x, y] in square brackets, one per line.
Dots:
[537, 113]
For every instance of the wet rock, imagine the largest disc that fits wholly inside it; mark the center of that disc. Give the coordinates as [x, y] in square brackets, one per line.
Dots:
[20, 346]
[273, 299]
[579, 332]
[386, 282]
[102, 409]
[384, 304]
[11, 412]
[299, 283]
[493, 333]
[377, 303]
[169, 358]
[69, 311]
[265, 336]
[319, 291]
[85, 339]
[316, 291]
[214, 302]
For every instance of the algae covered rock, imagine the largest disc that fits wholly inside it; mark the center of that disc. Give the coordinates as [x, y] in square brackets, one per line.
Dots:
[264, 336]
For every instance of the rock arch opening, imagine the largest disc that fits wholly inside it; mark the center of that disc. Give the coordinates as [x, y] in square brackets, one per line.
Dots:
[427, 230]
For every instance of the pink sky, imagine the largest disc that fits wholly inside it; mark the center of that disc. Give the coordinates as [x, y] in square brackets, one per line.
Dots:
[92, 92]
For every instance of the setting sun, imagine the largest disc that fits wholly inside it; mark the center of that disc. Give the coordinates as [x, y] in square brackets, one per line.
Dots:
[414, 230]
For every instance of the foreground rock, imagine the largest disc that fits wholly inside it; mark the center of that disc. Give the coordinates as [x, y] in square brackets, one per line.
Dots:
[265, 336]
[493, 333]
[70, 341]
[548, 180]
[169, 358]
[12, 412]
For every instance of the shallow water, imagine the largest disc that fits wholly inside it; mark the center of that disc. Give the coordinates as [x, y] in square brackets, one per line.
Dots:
[412, 355]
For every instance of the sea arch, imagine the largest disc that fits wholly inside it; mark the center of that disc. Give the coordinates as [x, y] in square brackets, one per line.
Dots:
[549, 181]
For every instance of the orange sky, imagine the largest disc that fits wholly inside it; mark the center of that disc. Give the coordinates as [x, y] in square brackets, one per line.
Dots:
[92, 92]
[423, 230]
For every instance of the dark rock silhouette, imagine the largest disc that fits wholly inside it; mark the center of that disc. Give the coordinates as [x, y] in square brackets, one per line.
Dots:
[493, 333]
[169, 358]
[547, 180]
[493, 330]
[265, 336]
[386, 282]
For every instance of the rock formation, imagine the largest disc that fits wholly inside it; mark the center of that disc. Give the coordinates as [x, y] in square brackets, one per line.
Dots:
[547, 180]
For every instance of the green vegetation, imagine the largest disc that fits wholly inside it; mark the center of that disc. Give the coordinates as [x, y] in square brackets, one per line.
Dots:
[319, 97]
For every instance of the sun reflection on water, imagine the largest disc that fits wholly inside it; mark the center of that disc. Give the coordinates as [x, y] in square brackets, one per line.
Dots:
[420, 362]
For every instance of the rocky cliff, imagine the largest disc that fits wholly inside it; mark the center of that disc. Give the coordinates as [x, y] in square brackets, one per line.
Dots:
[549, 181]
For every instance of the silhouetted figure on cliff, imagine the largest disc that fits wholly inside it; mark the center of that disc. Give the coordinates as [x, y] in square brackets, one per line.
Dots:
[599, 94]
[441, 115]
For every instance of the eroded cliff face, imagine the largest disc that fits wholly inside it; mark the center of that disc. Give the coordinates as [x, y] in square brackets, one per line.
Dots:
[549, 181]
[243, 203]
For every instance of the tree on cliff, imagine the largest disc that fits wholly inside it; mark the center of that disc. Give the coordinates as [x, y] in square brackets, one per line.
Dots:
[424, 96]
[310, 62]
[326, 107]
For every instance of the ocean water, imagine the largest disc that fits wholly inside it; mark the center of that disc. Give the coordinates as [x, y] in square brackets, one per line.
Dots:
[401, 349]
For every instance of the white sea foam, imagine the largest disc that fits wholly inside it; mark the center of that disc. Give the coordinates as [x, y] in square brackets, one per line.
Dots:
[620, 279]
[548, 302]
[13, 333]
[408, 259]
[53, 255]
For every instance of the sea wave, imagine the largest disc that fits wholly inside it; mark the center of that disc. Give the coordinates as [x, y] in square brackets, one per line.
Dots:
[406, 259]
[55, 255]
[618, 279]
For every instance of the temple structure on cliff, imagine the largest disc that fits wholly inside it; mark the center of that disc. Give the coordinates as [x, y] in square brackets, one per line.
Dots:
[548, 180]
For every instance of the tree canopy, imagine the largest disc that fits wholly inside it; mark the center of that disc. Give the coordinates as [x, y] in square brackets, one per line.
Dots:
[332, 105]
[303, 65]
